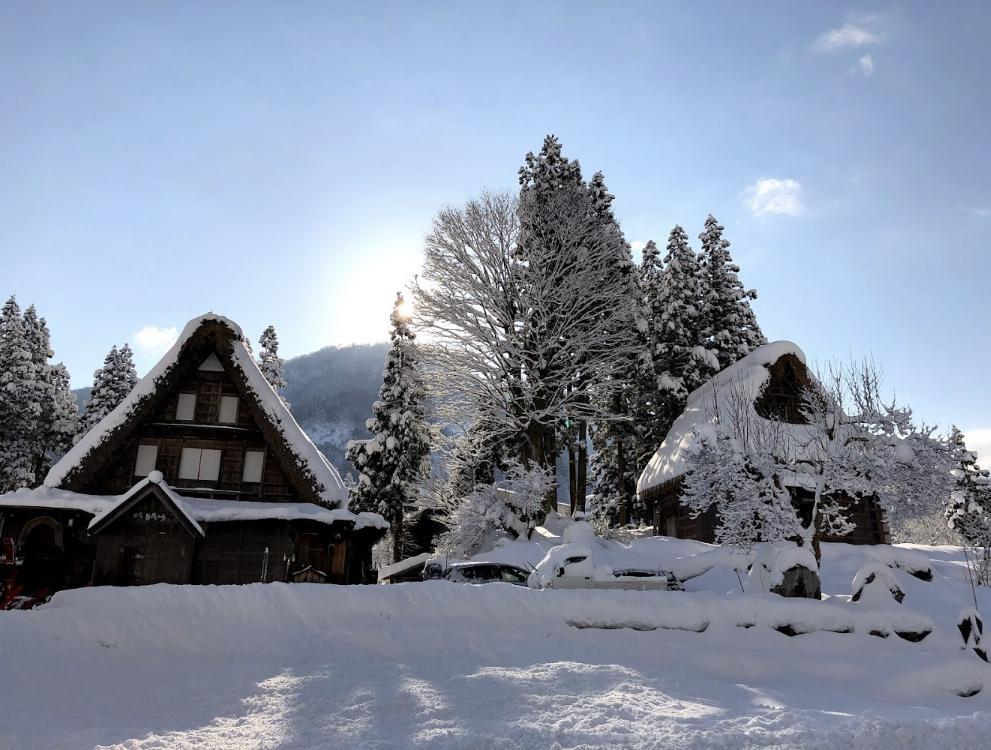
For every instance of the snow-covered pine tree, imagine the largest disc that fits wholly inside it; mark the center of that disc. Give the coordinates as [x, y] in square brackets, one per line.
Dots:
[681, 360]
[547, 180]
[269, 362]
[65, 414]
[968, 512]
[730, 327]
[393, 459]
[19, 408]
[649, 424]
[111, 385]
[577, 321]
[55, 422]
[613, 438]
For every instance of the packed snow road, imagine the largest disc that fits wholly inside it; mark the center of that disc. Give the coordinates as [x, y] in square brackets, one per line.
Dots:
[452, 666]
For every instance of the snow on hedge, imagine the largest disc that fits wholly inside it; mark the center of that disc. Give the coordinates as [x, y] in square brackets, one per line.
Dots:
[749, 375]
[313, 463]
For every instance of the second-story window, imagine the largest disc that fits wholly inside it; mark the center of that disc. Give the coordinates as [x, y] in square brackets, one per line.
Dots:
[145, 463]
[200, 463]
[228, 410]
[254, 461]
[185, 409]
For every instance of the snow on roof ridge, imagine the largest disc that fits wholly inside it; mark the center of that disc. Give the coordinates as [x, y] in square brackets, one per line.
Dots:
[310, 458]
[669, 461]
[198, 509]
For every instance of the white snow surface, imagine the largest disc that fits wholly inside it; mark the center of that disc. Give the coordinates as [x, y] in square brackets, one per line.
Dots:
[307, 454]
[446, 665]
[749, 373]
[197, 509]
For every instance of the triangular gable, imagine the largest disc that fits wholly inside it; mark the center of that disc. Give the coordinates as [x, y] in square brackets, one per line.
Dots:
[208, 336]
[153, 485]
[750, 375]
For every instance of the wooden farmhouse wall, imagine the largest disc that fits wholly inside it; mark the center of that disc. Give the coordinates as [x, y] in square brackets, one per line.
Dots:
[203, 416]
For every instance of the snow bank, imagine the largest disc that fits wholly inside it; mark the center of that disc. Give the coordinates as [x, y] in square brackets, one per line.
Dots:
[445, 665]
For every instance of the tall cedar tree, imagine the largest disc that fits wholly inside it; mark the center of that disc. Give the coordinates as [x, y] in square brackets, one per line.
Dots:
[541, 176]
[392, 460]
[51, 434]
[37, 409]
[650, 427]
[18, 407]
[269, 362]
[681, 360]
[111, 385]
[577, 322]
[615, 467]
[730, 327]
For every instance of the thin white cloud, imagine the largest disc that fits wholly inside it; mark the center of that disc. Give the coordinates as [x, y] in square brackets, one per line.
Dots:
[774, 197]
[637, 245]
[155, 341]
[865, 65]
[981, 213]
[850, 34]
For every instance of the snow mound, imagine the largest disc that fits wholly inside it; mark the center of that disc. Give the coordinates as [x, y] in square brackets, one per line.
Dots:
[308, 665]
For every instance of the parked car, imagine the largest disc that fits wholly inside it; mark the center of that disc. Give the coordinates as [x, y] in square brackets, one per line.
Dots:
[575, 570]
[476, 572]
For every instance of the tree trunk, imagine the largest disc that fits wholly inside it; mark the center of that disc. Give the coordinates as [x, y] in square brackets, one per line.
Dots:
[572, 476]
[536, 454]
[582, 478]
[621, 470]
[397, 538]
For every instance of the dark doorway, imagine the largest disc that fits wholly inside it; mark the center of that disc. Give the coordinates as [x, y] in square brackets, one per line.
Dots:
[130, 566]
[44, 557]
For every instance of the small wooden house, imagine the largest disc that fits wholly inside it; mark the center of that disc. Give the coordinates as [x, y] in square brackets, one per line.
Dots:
[774, 377]
[201, 475]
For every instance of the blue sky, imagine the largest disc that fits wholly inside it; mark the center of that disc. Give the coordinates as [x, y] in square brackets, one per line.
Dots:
[280, 163]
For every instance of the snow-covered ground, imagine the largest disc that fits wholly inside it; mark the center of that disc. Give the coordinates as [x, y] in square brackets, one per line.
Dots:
[448, 665]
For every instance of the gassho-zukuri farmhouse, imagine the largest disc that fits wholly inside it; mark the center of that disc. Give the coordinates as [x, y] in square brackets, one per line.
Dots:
[201, 475]
[767, 384]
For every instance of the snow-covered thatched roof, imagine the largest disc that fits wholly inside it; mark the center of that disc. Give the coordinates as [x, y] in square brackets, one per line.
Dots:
[310, 467]
[706, 405]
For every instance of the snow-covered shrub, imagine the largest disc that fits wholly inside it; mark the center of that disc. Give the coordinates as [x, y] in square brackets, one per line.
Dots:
[510, 505]
[971, 627]
[875, 584]
[785, 569]
[735, 470]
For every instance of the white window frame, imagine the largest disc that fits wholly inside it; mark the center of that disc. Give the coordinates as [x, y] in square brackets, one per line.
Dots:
[197, 464]
[185, 408]
[255, 461]
[225, 406]
[145, 462]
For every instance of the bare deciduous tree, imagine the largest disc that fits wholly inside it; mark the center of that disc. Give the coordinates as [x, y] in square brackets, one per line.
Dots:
[508, 335]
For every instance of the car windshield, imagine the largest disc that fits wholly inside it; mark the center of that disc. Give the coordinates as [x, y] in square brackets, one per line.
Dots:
[513, 576]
